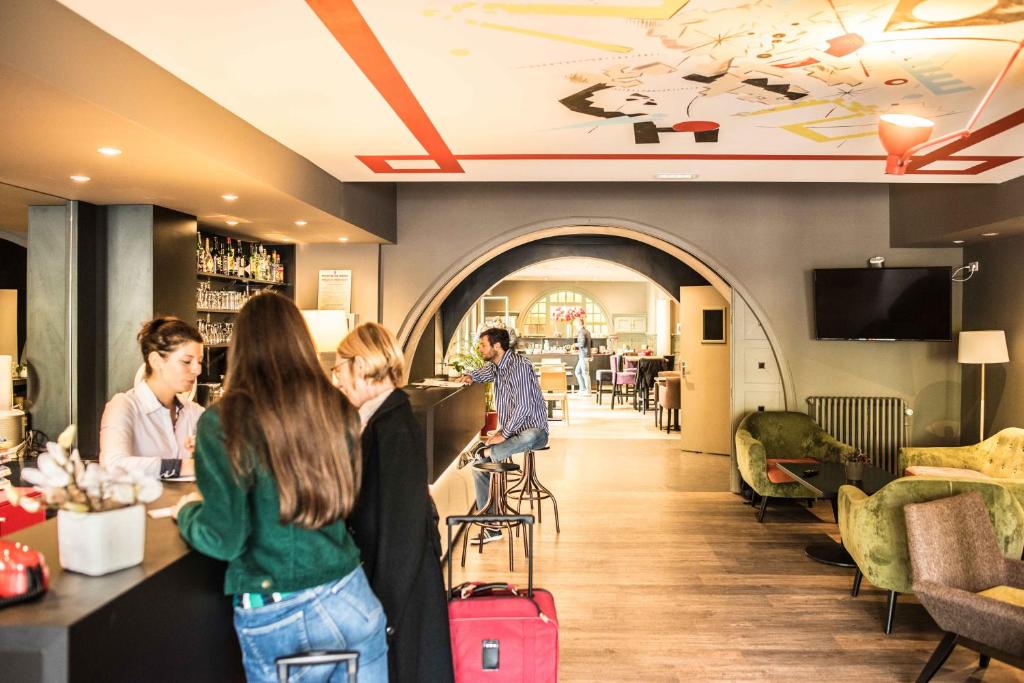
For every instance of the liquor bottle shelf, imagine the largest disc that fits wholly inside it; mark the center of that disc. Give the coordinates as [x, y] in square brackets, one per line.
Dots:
[231, 311]
[235, 278]
[215, 346]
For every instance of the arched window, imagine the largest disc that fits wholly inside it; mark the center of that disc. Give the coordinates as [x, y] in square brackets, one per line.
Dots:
[537, 321]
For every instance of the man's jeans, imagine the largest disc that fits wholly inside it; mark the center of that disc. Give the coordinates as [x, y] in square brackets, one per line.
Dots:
[524, 441]
[583, 375]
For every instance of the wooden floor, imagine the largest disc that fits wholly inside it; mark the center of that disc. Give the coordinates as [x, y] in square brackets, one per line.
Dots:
[660, 574]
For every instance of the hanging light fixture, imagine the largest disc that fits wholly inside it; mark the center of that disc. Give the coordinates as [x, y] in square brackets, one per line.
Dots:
[904, 135]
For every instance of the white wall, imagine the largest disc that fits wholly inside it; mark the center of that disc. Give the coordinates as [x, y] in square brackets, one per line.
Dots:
[768, 236]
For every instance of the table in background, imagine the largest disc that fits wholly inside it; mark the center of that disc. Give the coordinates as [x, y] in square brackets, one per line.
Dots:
[826, 485]
[647, 369]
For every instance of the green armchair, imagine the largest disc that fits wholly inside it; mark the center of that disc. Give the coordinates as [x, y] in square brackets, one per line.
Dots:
[874, 530]
[999, 457]
[763, 438]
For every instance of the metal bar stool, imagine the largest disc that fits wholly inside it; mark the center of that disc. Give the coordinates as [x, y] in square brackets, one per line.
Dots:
[496, 506]
[530, 488]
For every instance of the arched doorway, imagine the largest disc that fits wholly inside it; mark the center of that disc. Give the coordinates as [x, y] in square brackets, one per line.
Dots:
[757, 345]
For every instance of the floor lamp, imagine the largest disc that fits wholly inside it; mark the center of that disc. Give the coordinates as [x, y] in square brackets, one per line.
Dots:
[978, 348]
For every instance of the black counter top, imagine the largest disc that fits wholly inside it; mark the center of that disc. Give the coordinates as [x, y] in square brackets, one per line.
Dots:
[450, 417]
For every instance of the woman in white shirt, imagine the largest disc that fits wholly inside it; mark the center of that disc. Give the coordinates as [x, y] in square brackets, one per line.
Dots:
[150, 426]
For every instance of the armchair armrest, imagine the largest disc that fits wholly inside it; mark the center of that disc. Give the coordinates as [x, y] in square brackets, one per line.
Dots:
[752, 460]
[851, 501]
[1015, 573]
[938, 456]
[987, 621]
[832, 449]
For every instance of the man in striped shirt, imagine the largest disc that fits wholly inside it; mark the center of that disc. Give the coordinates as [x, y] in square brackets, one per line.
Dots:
[522, 410]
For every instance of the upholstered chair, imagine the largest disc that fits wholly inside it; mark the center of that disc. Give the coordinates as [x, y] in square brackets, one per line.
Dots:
[999, 457]
[668, 398]
[974, 593]
[623, 380]
[875, 534]
[763, 439]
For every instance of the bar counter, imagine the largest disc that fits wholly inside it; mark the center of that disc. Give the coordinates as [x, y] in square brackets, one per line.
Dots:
[166, 619]
[450, 417]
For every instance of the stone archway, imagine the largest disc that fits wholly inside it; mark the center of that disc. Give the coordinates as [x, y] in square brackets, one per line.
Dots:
[422, 312]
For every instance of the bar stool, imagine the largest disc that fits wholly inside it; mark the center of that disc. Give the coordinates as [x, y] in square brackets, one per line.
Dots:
[530, 488]
[496, 505]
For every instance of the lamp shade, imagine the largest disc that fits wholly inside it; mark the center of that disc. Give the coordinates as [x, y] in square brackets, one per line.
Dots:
[899, 133]
[327, 327]
[983, 346]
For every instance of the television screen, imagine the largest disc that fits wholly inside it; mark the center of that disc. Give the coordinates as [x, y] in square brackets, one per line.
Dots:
[900, 304]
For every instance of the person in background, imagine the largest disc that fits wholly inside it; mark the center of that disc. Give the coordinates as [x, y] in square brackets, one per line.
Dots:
[278, 470]
[522, 411]
[151, 427]
[583, 344]
[394, 522]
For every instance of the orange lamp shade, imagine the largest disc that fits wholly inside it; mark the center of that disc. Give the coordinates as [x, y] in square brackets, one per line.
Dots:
[900, 133]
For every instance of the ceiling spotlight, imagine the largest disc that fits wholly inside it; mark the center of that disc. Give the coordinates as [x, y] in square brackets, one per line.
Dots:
[672, 175]
[876, 262]
[300, 223]
[81, 178]
[109, 151]
[989, 234]
[231, 222]
[343, 239]
[229, 197]
[958, 241]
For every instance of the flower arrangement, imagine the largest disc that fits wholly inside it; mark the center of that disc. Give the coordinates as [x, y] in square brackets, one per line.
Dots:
[568, 313]
[69, 484]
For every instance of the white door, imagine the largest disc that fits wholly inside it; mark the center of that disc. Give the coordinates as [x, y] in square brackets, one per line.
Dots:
[705, 384]
[756, 380]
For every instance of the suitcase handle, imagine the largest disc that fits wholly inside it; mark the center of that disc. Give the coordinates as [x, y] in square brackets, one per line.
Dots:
[463, 519]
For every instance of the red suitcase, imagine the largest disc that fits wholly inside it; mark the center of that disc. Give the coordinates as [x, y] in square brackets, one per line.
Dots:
[501, 634]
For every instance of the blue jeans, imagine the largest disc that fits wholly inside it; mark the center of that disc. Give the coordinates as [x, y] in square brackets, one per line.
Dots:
[526, 440]
[340, 615]
[583, 375]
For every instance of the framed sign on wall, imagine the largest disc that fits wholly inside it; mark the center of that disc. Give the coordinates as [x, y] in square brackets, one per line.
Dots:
[712, 326]
[334, 292]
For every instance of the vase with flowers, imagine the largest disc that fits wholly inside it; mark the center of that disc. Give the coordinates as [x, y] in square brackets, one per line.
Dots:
[855, 466]
[101, 516]
[567, 314]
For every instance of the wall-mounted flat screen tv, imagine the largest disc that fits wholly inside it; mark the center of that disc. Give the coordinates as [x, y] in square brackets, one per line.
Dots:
[884, 304]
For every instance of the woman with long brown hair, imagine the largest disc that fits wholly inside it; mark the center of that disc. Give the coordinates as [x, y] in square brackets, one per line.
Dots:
[278, 470]
[394, 521]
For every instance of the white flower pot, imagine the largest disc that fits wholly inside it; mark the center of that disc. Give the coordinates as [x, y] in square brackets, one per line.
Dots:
[97, 543]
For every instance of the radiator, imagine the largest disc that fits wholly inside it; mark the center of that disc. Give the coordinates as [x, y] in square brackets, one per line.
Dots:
[877, 425]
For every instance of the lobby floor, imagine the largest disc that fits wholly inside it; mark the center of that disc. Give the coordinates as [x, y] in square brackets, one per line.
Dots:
[661, 574]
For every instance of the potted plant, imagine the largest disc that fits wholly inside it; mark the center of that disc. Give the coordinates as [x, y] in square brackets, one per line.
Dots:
[567, 314]
[101, 516]
[855, 466]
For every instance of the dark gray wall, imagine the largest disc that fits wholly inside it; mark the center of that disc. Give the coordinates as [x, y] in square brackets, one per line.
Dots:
[935, 214]
[49, 345]
[768, 236]
[992, 302]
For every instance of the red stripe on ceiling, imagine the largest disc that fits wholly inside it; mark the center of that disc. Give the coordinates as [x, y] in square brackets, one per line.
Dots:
[946, 152]
[356, 37]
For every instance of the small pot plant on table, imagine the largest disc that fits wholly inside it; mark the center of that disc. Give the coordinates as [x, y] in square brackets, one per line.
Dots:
[855, 465]
[101, 513]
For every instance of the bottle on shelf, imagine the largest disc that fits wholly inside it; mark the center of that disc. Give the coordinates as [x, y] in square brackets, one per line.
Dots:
[230, 258]
[222, 258]
[240, 260]
[200, 259]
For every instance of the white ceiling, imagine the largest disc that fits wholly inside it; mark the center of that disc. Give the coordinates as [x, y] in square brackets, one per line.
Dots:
[499, 90]
[577, 270]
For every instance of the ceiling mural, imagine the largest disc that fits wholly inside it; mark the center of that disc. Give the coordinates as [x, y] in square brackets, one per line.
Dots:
[783, 90]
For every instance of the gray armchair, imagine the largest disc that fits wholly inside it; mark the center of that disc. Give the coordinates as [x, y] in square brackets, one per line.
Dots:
[974, 593]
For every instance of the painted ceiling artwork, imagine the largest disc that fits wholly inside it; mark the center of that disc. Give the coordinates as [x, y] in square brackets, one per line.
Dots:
[773, 90]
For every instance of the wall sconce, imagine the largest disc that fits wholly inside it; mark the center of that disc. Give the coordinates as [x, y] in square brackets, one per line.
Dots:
[903, 135]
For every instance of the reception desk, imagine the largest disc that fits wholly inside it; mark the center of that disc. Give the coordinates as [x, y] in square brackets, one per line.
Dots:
[166, 619]
[450, 417]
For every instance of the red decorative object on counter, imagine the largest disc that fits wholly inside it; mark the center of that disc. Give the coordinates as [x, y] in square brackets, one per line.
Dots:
[23, 573]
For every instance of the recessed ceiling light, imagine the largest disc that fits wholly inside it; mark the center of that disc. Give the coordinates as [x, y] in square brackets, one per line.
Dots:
[989, 234]
[229, 197]
[343, 239]
[300, 223]
[231, 222]
[109, 151]
[958, 241]
[81, 178]
[673, 175]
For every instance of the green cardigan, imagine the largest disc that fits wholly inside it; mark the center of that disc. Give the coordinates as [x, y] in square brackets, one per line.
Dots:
[238, 521]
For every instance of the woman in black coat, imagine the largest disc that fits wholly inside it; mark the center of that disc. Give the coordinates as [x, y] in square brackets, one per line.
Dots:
[394, 522]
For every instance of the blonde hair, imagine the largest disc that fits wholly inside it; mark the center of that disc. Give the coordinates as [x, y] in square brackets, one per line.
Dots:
[379, 350]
